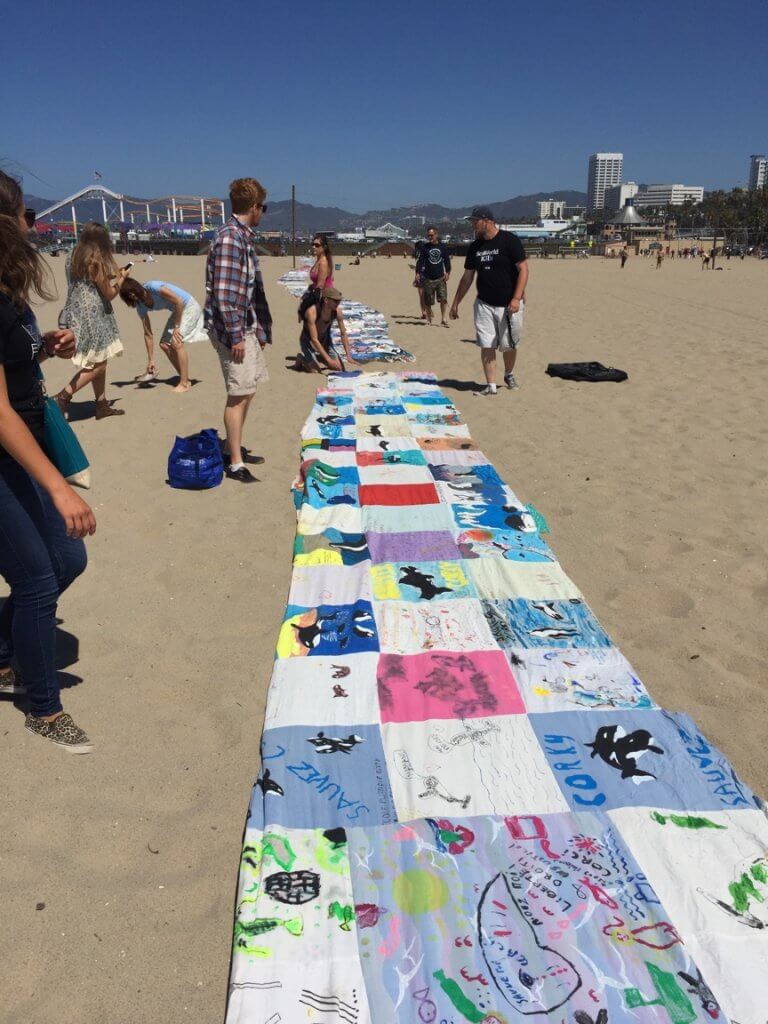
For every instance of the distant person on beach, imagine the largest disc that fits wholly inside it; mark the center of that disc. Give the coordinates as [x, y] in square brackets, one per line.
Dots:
[418, 282]
[184, 325]
[623, 256]
[321, 271]
[704, 259]
[318, 351]
[43, 520]
[237, 317]
[433, 269]
[498, 258]
[94, 282]
[659, 259]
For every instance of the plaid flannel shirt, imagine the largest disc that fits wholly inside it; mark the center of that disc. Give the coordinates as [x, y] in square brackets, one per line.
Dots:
[229, 309]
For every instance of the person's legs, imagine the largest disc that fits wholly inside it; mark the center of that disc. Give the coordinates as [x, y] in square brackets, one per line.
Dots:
[429, 298]
[79, 381]
[179, 360]
[235, 412]
[486, 329]
[510, 334]
[488, 357]
[38, 561]
[99, 382]
[442, 297]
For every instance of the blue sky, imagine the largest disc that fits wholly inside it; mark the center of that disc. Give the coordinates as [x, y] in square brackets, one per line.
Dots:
[368, 105]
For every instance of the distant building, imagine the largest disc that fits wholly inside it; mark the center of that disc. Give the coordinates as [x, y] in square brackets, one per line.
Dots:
[574, 212]
[605, 171]
[551, 209]
[351, 236]
[387, 232]
[616, 197]
[669, 195]
[758, 171]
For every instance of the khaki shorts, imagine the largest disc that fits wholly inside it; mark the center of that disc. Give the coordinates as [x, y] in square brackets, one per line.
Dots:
[435, 290]
[242, 378]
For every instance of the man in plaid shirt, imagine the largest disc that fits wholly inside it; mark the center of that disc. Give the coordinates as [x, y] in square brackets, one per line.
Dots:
[237, 316]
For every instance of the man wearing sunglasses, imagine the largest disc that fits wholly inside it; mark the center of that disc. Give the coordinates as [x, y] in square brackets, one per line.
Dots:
[237, 317]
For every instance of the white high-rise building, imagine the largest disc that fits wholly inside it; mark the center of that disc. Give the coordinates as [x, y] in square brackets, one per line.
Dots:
[605, 171]
[758, 171]
[616, 197]
[669, 195]
[551, 209]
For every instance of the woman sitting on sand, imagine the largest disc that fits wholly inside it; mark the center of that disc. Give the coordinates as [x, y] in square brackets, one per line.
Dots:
[43, 521]
[185, 324]
[318, 351]
[95, 281]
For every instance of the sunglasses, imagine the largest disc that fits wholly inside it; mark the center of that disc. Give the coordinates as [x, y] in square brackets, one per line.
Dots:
[263, 207]
[317, 245]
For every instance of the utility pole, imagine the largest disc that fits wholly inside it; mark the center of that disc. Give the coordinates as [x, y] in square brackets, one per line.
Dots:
[293, 224]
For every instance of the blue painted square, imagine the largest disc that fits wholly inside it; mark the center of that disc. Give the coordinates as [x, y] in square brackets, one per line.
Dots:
[521, 623]
[323, 776]
[606, 760]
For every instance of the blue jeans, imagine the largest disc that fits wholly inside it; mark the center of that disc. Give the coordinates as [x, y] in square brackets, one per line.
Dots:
[38, 562]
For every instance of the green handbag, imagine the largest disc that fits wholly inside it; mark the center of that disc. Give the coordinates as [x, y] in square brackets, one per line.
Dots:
[61, 444]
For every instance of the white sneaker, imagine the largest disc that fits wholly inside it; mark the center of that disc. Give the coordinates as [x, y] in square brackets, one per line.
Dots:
[488, 390]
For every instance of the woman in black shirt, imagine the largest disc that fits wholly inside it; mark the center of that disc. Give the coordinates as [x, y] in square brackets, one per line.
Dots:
[42, 520]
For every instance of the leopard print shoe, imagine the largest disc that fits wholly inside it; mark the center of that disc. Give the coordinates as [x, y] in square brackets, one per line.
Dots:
[61, 730]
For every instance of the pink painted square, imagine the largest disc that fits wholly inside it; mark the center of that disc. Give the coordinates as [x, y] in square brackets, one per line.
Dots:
[444, 684]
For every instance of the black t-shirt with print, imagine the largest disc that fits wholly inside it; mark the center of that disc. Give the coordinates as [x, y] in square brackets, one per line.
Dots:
[495, 262]
[19, 344]
[433, 262]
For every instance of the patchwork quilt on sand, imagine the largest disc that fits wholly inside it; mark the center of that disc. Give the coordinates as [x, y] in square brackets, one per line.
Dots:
[469, 808]
[369, 339]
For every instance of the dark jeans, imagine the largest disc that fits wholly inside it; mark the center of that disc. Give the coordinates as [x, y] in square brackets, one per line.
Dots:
[38, 562]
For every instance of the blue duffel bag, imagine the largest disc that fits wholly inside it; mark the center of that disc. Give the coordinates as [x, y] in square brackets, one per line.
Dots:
[196, 462]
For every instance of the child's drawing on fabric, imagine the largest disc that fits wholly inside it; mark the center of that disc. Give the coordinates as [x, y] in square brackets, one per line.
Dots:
[341, 689]
[330, 548]
[480, 765]
[423, 581]
[327, 630]
[721, 910]
[582, 679]
[610, 759]
[407, 628]
[497, 579]
[445, 685]
[546, 623]
[329, 776]
[468, 806]
[512, 918]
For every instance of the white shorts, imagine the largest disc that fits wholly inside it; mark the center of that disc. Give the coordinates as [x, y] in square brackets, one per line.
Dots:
[496, 327]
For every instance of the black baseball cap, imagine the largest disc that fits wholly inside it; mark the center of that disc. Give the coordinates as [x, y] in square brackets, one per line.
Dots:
[482, 213]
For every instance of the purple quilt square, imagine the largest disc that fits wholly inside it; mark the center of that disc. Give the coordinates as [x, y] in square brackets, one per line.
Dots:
[424, 546]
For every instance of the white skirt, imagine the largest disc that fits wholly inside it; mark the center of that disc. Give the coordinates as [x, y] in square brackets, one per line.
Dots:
[192, 329]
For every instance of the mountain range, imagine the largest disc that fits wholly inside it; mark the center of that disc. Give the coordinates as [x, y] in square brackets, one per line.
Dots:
[331, 218]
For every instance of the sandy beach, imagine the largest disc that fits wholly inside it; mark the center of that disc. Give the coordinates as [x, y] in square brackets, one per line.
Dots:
[119, 869]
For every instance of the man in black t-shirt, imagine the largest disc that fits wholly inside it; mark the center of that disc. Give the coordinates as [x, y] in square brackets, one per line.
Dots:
[433, 268]
[498, 258]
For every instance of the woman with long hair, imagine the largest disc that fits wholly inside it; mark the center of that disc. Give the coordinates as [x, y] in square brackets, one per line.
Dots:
[42, 520]
[95, 281]
[321, 272]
